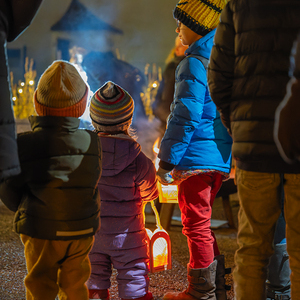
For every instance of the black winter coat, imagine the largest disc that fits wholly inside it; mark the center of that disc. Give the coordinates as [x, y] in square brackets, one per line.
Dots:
[15, 16]
[247, 77]
[55, 196]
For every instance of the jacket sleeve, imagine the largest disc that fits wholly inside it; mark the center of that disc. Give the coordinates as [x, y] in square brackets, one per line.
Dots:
[287, 121]
[146, 178]
[11, 192]
[221, 65]
[186, 110]
[18, 15]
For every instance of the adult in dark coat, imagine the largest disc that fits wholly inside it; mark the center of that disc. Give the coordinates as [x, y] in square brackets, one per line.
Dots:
[287, 121]
[15, 17]
[247, 77]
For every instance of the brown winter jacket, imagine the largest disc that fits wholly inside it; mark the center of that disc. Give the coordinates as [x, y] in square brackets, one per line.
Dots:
[56, 196]
[247, 77]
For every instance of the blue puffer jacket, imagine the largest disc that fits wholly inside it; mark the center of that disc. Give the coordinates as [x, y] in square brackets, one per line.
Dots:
[195, 138]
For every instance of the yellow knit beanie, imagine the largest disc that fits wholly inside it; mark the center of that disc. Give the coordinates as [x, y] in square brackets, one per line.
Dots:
[61, 91]
[201, 16]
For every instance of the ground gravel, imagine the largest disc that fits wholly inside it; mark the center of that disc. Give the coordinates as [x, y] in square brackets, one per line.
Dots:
[13, 268]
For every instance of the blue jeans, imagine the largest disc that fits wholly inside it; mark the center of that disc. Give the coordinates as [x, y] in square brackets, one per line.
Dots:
[260, 197]
[279, 236]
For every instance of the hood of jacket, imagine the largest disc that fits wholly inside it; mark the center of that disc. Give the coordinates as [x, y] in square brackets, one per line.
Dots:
[202, 46]
[118, 151]
[61, 123]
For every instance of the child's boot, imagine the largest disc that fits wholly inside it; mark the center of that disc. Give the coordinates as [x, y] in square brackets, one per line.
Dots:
[202, 285]
[221, 287]
[147, 296]
[99, 294]
[278, 284]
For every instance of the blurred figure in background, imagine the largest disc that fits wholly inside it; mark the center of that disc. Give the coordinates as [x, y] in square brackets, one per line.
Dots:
[101, 67]
[165, 92]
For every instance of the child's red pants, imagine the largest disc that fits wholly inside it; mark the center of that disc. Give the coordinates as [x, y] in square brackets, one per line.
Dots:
[195, 197]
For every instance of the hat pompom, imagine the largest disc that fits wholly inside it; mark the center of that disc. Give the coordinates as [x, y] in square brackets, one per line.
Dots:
[111, 108]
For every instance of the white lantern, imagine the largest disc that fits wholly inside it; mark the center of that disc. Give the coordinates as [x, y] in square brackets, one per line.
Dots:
[159, 246]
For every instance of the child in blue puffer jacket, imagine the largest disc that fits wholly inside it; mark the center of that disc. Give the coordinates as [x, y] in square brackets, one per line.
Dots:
[128, 180]
[195, 152]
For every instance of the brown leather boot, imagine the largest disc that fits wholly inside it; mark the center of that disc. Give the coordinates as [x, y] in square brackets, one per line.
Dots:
[201, 285]
[99, 294]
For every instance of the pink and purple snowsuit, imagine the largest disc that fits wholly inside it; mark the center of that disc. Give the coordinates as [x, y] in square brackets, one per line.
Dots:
[128, 179]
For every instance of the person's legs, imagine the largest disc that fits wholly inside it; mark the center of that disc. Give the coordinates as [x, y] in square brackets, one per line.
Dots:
[278, 278]
[279, 236]
[195, 198]
[99, 281]
[133, 268]
[259, 195]
[292, 213]
[101, 271]
[278, 285]
[42, 264]
[75, 270]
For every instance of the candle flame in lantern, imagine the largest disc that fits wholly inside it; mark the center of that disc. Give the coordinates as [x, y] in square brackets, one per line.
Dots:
[156, 150]
[160, 252]
[155, 146]
[160, 249]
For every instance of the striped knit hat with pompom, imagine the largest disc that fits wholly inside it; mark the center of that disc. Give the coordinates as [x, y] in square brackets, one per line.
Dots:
[201, 16]
[111, 108]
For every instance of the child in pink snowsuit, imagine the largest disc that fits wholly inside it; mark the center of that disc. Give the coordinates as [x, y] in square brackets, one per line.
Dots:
[128, 179]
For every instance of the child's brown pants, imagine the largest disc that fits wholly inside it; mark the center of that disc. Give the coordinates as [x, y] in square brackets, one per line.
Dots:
[57, 267]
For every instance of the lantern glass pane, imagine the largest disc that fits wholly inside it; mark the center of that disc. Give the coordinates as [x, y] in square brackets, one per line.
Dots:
[160, 252]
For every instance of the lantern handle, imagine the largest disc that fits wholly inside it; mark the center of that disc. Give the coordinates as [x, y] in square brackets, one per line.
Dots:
[157, 219]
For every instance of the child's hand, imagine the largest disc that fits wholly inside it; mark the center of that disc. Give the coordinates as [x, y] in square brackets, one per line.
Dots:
[164, 176]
